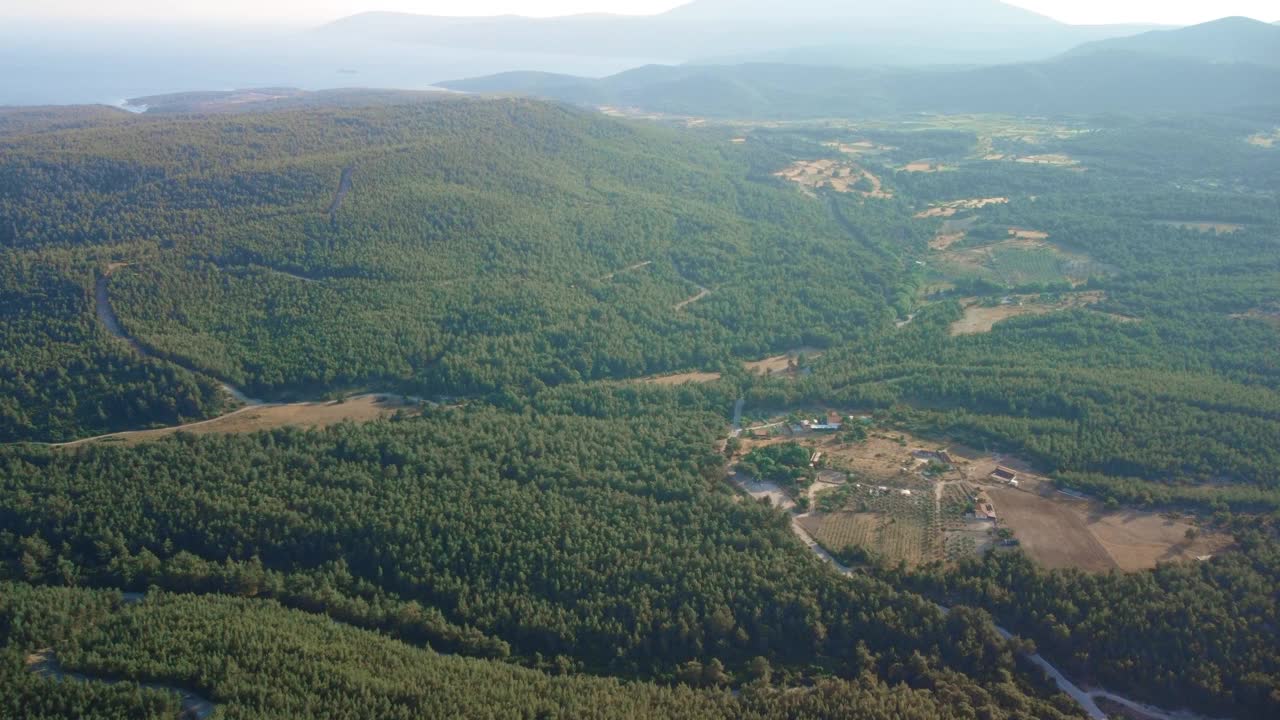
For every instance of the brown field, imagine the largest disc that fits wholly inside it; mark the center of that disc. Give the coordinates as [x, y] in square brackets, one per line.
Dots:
[779, 364]
[979, 319]
[1049, 159]
[949, 209]
[926, 167]
[1050, 532]
[942, 241]
[1218, 228]
[1138, 540]
[861, 147]
[1024, 234]
[835, 175]
[1265, 141]
[364, 408]
[1059, 531]
[682, 379]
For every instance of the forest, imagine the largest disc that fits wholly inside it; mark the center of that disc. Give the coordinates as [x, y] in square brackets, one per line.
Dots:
[552, 538]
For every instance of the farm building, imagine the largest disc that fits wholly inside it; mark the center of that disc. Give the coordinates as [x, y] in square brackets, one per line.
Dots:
[1005, 475]
[985, 511]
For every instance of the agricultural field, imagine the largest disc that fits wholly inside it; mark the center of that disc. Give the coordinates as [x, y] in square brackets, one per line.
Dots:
[1025, 258]
[980, 317]
[888, 525]
[1061, 531]
[841, 177]
[951, 208]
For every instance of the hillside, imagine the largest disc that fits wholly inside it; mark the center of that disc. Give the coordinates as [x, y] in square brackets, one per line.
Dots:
[1229, 40]
[519, 213]
[1097, 82]
[911, 33]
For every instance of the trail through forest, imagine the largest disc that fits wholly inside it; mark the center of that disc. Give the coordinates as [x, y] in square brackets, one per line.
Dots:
[107, 315]
[344, 188]
[194, 707]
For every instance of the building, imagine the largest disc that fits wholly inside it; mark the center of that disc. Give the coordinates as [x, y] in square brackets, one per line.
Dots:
[1005, 475]
[985, 511]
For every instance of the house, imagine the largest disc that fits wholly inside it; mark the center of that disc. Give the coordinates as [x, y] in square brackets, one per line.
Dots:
[817, 457]
[760, 433]
[984, 511]
[905, 493]
[1005, 475]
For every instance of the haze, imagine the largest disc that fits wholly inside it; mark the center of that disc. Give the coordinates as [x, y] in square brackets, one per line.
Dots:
[1169, 12]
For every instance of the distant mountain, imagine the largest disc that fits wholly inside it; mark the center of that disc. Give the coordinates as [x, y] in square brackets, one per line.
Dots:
[1234, 39]
[1098, 82]
[271, 99]
[907, 32]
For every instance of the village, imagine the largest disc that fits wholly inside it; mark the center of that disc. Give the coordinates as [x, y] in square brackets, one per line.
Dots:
[869, 493]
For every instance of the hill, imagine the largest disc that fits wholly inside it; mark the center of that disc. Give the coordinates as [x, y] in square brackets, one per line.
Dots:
[522, 214]
[1229, 40]
[912, 33]
[1097, 82]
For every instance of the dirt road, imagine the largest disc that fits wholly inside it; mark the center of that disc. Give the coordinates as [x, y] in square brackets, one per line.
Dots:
[1086, 698]
[194, 707]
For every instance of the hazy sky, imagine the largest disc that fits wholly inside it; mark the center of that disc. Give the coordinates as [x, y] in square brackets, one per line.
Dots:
[311, 11]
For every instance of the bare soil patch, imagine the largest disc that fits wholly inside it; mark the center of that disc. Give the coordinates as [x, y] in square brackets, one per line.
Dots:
[1057, 159]
[682, 379]
[979, 319]
[1206, 226]
[785, 363]
[926, 167]
[364, 408]
[841, 177]
[1139, 540]
[1024, 234]
[1050, 533]
[948, 209]
[1264, 140]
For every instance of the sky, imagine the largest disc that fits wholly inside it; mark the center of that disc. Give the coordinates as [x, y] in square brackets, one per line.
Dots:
[1170, 12]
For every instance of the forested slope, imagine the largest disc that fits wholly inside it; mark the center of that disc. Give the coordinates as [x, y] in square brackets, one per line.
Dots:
[604, 544]
[475, 250]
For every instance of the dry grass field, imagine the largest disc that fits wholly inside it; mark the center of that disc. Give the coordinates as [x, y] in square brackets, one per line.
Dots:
[949, 209]
[364, 408]
[980, 319]
[842, 177]
[781, 364]
[1059, 531]
[1206, 226]
[682, 379]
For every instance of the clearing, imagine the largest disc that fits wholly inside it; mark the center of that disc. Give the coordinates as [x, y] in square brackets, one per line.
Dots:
[925, 166]
[949, 209]
[1204, 226]
[900, 497]
[1062, 531]
[1264, 140]
[364, 408]
[682, 379]
[979, 318]
[1024, 258]
[1057, 159]
[841, 177]
[788, 363]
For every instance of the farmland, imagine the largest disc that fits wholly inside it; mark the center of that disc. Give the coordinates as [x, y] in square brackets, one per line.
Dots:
[982, 317]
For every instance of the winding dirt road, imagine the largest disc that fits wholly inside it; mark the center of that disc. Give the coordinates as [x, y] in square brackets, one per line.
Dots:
[194, 707]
